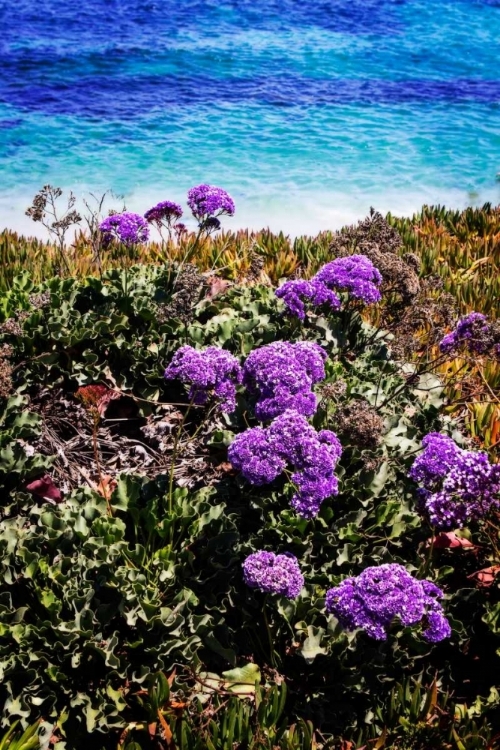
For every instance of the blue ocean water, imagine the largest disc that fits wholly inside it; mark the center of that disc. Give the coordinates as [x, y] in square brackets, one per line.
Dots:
[307, 113]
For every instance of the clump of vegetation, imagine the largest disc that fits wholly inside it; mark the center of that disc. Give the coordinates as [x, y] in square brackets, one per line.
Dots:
[233, 520]
[453, 255]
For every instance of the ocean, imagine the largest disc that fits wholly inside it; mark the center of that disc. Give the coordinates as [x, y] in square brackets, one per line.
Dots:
[307, 113]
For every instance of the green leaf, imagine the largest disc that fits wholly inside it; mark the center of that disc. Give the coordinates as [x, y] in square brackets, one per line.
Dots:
[311, 647]
[127, 492]
[242, 680]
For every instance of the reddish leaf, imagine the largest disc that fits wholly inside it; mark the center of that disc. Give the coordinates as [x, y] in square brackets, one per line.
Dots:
[106, 487]
[45, 487]
[105, 400]
[90, 395]
[226, 468]
[96, 396]
[217, 286]
[450, 539]
[486, 576]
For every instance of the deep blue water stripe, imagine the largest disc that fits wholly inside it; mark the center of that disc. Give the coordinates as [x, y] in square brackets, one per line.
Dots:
[114, 97]
[129, 19]
[336, 102]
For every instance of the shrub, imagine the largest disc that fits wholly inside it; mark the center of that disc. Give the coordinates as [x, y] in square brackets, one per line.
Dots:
[135, 570]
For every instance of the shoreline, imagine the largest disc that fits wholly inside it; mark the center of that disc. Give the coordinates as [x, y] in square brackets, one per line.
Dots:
[296, 214]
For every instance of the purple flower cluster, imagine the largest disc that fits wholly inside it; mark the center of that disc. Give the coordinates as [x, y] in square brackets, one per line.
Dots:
[131, 229]
[273, 574]
[263, 454]
[354, 274]
[472, 332]
[211, 371]
[380, 593]
[280, 376]
[208, 201]
[458, 486]
[253, 452]
[164, 214]
[294, 293]
[433, 464]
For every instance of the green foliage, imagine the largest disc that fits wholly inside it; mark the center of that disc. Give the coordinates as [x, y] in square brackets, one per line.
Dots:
[119, 606]
[17, 428]
[218, 721]
[16, 739]
[460, 247]
[416, 717]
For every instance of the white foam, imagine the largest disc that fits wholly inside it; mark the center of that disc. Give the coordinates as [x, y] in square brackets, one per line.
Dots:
[300, 212]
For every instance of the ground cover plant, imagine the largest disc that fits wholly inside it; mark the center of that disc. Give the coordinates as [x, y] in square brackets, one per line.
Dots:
[242, 515]
[457, 252]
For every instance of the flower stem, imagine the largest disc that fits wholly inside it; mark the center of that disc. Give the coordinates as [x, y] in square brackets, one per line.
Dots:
[172, 467]
[268, 630]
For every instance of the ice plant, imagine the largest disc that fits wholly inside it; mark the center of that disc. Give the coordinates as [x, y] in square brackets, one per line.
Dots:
[380, 594]
[128, 228]
[280, 376]
[207, 202]
[209, 372]
[457, 486]
[273, 574]
[263, 454]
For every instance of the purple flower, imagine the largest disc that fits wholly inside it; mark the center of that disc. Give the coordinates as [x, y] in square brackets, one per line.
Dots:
[472, 332]
[432, 465]
[164, 213]
[470, 491]
[253, 452]
[262, 455]
[354, 274]
[209, 371]
[280, 376]
[207, 201]
[128, 228]
[316, 480]
[314, 457]
[458, 486]
[294, 293]
[273, 574]
[377, 596]
[180, 229]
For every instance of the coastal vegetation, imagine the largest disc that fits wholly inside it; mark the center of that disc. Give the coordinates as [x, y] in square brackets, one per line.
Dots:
[251, 491]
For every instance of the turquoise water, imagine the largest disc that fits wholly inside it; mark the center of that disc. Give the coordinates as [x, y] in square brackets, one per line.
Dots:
[307, 114]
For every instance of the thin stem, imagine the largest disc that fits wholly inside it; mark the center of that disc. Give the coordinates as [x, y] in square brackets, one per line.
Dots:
[427, 561]
[172, 468]
[416, 374]
[98, 464]
[493, 543]
[268, 630]
[202, 423]
[190, 251]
